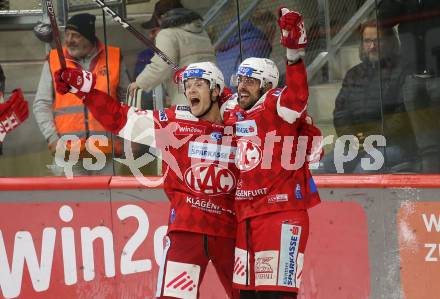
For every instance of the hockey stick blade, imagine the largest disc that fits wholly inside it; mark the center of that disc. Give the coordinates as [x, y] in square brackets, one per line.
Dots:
[56, 33]
[118, 19]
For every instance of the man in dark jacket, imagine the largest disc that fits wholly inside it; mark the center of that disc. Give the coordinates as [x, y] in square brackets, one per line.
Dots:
[370, 101]
[419, 31]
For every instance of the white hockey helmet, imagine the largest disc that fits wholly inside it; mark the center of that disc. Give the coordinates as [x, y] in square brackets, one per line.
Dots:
[262, 69]
[205, 70]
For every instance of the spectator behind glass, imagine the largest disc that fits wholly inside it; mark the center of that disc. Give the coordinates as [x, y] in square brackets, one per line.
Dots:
[371, 91]
[144, 59]
[58, 114]
[257, 35]
[419, 31]
[183, 39]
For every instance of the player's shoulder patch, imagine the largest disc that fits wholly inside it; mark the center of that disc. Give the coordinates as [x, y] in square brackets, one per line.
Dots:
[276, 92]
[163, 115]
[184, 112]
[183, 108]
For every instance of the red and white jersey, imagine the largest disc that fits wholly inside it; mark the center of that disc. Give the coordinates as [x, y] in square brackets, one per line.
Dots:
[273, 176]
[199, 173]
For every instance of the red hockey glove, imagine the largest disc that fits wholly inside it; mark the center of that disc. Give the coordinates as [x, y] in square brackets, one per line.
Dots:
[314, 142]
[77, 81]
[12, 113]
[293, 32]
[178, 79]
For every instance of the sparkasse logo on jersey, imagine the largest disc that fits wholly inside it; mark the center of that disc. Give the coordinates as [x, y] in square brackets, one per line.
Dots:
[246, 128]
[290, 264]
[210, 151]
[210, 179]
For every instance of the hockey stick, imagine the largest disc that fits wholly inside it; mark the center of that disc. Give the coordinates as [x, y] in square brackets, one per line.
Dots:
[55, 32]
[117, 18]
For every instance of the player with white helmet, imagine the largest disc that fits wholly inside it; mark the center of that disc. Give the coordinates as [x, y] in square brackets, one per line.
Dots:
[196, 73]
[262, 69]
[263, 72]
[273, 194]
[202, 180]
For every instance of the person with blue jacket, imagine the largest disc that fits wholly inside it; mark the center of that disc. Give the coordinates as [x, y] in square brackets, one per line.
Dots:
[257, 35]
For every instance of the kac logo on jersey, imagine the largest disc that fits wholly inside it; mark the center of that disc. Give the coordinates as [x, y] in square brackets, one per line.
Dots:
[298, 193]
[162, 115]
[248, 156]
[246, 128]
[210, 179]
[216, 136]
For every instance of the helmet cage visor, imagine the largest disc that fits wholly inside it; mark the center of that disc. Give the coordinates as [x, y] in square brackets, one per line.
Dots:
[245, 71]
[197, 73]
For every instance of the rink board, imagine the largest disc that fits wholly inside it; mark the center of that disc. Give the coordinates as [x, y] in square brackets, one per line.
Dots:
[102, 237]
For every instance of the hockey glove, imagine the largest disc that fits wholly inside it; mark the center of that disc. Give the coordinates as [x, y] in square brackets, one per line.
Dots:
[12, 113]
[293, 32]
[76, 81]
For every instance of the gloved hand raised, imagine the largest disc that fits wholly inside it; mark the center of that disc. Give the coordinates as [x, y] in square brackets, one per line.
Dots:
[12, 113]
[77, 81]
[293, 32]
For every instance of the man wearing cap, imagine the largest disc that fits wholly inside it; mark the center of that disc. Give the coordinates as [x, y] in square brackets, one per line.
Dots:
[60, 115]
[182, 38]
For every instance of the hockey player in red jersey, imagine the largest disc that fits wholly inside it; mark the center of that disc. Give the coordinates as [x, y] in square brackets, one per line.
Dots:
[12, 113]
[201, 178]
[275, 188]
